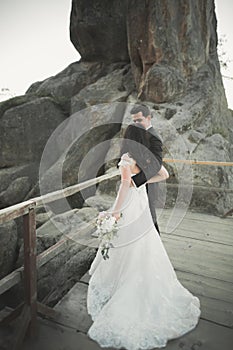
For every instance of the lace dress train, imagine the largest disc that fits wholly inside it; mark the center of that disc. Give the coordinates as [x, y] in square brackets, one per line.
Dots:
[134, 297]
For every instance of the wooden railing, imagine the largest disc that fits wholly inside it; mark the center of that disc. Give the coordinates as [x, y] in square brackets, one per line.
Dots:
[28, 272]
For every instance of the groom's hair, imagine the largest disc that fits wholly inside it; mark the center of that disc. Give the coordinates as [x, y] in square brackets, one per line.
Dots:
[141, 108]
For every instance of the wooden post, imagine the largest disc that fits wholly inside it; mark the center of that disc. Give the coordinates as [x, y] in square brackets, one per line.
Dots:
[30, 270]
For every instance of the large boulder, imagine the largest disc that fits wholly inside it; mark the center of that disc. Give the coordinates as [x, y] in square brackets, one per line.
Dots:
[173, 41]
[113, 87]
[163, 83]
[188, 136]
[98, 30]
[86, 139]
[66, 84]
[8, 175]
[16, 192]
[25, 129]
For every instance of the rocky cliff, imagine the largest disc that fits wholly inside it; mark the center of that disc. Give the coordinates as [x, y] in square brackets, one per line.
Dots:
[163, 53]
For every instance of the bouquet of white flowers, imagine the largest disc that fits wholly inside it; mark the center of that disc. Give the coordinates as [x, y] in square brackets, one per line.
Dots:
[106, 229]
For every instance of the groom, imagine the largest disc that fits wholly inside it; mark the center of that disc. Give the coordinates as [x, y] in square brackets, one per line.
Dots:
[141, 115]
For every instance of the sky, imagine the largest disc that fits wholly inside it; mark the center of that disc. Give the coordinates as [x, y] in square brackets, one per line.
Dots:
[35, 43]
[224, 11]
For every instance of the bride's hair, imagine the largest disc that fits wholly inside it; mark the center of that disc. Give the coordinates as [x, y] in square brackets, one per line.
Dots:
[136, 144]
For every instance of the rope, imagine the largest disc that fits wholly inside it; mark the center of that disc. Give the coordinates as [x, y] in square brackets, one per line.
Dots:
[194, 161]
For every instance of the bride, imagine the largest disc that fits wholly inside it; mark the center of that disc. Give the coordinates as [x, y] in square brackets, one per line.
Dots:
[134, 297]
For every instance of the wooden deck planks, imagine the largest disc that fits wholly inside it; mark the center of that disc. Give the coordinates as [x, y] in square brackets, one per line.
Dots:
[201, 251]
[200, 257]
[72, 308]
[203, 264]
[201, 227]
[216, 297]
[217, 311]
[206, 286]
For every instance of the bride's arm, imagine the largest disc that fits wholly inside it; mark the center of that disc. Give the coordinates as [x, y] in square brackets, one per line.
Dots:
[160, 176]
[123, 190]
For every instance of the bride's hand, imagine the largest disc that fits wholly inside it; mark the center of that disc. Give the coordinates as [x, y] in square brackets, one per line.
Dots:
[126, 156]
[131, 162]
[117, 216]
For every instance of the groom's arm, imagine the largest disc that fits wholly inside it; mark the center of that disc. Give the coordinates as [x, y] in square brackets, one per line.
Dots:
[139, 179]
[151, 170]
[160, 176]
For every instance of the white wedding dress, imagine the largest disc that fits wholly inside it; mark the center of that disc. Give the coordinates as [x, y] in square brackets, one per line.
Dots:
[134, 297]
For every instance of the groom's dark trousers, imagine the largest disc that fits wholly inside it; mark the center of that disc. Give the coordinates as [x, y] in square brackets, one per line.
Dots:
[152, 195]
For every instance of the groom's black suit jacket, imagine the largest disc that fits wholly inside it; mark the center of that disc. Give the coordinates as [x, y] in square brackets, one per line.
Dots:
[152, 160]
[150, 163]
